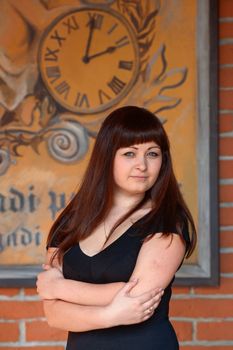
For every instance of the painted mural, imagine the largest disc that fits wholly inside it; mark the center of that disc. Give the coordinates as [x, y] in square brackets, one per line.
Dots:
[64, 65]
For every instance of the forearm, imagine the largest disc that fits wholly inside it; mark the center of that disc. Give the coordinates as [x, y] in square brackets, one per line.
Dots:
[76, 318]
[86, 293]
[52, 285]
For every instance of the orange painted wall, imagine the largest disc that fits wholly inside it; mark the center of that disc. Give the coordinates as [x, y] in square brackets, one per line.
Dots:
[202, 316]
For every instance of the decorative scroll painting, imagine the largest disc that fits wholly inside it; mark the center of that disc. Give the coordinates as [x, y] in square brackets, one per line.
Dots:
[64, 65]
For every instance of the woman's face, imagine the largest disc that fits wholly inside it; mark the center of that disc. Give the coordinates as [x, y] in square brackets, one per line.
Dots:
[136, 168]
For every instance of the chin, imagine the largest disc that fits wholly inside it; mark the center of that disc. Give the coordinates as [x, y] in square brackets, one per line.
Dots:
[137, 190]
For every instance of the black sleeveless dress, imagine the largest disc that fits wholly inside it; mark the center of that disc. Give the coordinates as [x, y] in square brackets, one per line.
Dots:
[115, 264]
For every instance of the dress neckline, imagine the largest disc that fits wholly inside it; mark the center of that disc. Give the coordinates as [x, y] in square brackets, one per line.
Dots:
[124, 234]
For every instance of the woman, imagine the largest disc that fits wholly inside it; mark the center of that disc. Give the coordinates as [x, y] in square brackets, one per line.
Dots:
[128, 222]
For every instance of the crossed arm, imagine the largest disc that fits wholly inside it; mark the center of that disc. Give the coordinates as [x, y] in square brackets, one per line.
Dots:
[79, 306]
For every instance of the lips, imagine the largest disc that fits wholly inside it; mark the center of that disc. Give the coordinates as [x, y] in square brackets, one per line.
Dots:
[140, 177]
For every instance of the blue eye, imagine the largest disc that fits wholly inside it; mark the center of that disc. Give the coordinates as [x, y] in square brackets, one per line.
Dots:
[129, 154]
[153, 154]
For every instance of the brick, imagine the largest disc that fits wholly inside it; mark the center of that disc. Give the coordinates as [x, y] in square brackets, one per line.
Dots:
[10, 292]
[226, 193]
[226, 122]
[225, 30]
[204, 347]
[225, 287]
[225, 77]
[21, 309]
[30, 291]
[225, 99]
[215, 331]
[226, 216]
[181, 290]
[225, 8]
[40, 331]
[200, 308]
[226, 146]
[226, 54]
[183, 330]
[226, 264]
[226, 240]
[226, 170]
[9, 332]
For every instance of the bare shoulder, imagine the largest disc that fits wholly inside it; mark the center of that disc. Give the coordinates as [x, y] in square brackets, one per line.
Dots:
[161, 240]
[159, 245]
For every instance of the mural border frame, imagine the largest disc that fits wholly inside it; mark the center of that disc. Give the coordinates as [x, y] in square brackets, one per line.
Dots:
[206, 271]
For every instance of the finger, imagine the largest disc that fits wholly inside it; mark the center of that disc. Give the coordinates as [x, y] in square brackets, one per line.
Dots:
[152, 295]
[149, 312]
[143, 298]
[150, 307]
[129, 286]
[153, 301]
[146, 317]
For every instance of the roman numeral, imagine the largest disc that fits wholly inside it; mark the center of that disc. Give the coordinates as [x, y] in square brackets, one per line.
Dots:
[128, 65]
[122, 41]
[53, 73]
[115, 25]
[82, 100]
[63, 89]
[116, 85]
[102, 96]
[51, 55]
[71, 24]
[58, 38]
[96, 18]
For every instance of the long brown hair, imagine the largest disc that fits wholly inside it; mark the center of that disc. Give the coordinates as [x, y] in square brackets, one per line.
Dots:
[124, 127]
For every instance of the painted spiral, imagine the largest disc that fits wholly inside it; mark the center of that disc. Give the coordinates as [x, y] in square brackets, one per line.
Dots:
[67, 141]
[4, 161]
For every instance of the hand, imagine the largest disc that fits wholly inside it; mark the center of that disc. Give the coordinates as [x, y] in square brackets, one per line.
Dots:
[47, 282]
[109, 49]
[91, 31]
[125, 310]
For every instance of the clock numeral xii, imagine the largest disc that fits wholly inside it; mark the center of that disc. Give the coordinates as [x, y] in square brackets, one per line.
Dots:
[95, 19]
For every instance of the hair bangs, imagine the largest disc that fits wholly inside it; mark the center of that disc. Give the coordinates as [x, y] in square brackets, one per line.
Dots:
[138, 135]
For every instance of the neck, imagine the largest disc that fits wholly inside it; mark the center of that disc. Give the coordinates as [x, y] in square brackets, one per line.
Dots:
[126, 201]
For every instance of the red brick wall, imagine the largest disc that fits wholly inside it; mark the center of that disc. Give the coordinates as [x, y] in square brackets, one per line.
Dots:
[203, 317]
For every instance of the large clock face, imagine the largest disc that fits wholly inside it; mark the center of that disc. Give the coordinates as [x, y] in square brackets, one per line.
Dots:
[89, 60]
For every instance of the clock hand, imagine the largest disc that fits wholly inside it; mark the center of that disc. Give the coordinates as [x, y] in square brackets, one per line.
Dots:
[91, 31]
[109, 49]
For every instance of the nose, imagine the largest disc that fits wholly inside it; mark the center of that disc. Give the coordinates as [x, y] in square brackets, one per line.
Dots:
[142, 163]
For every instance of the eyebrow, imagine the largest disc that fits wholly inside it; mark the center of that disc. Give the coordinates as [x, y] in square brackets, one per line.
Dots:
[147, 148]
